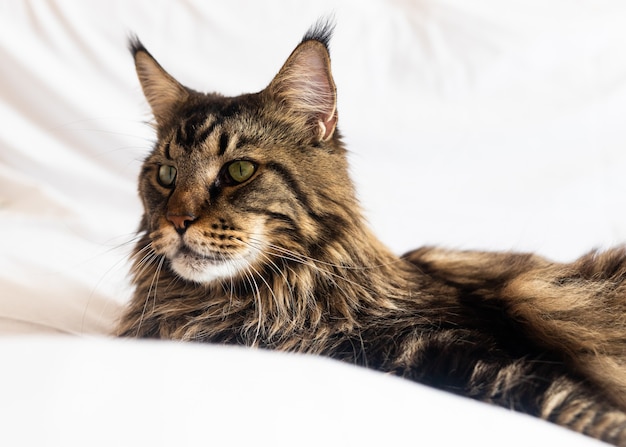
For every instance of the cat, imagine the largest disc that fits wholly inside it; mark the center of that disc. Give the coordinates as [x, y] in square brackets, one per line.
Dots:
[252, 235]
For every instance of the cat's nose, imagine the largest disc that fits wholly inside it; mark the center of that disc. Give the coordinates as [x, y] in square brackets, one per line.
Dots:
[181, 222]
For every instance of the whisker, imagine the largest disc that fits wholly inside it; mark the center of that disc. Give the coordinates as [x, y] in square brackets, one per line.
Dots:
[269, 288]
[145, 253]
[151, 257]
[311, 262]
[259, 303]
[329, 264]
[121, 260]
[274, 267]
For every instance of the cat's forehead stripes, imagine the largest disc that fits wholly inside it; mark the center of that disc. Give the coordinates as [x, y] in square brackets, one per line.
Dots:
[201, 120]
[218, 124]
[212, 136]
[167, 151]
[195, 130]
[223, 145]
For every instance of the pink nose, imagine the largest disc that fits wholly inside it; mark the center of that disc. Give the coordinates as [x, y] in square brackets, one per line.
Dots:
[181, 223]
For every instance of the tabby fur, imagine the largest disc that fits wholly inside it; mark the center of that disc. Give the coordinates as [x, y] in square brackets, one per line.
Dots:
[284, 260]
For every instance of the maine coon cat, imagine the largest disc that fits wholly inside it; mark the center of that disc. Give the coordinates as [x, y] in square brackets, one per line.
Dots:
[252, 235]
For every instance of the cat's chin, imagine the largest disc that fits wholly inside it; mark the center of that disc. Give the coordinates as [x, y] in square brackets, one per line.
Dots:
[200, 269]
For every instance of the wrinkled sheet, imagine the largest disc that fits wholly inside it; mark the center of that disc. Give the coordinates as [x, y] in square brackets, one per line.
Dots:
[481, 124]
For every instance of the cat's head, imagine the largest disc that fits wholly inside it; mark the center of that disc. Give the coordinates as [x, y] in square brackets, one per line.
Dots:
[235, 183]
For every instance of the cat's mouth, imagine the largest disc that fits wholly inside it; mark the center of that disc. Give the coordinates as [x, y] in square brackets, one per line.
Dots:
[192, 255]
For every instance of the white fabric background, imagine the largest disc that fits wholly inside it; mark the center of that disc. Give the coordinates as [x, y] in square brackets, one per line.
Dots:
[484, 124]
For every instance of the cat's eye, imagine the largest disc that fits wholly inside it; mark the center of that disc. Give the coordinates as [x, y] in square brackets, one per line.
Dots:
[167, 176]
[241, 170]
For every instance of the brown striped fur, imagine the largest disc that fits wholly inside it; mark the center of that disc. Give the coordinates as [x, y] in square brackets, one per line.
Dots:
[281, 258]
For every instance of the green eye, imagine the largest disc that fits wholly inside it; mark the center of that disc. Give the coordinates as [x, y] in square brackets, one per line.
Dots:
[241, 170]
[167, 175]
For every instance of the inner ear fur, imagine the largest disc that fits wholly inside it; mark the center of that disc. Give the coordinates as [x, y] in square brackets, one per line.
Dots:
[305, 86]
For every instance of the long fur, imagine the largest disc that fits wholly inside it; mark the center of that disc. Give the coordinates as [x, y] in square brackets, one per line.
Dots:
[301, 271]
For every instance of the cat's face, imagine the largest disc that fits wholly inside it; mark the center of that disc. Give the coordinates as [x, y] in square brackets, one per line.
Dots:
[234, 184]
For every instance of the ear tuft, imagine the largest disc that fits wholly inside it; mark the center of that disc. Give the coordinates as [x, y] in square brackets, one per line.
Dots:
[161, 90]
[305, 84]
[322, 31]
[135, 45]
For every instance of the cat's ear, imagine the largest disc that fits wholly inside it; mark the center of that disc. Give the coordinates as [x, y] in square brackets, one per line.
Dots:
[162, 91]
[305, 86]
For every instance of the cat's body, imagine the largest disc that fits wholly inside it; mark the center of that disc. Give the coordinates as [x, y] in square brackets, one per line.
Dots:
[252, 235]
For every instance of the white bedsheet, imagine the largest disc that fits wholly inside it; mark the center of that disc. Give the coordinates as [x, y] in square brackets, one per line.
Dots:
[483, 124]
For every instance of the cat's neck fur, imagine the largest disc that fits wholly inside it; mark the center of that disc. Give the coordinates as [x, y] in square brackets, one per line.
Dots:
[299, 300]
